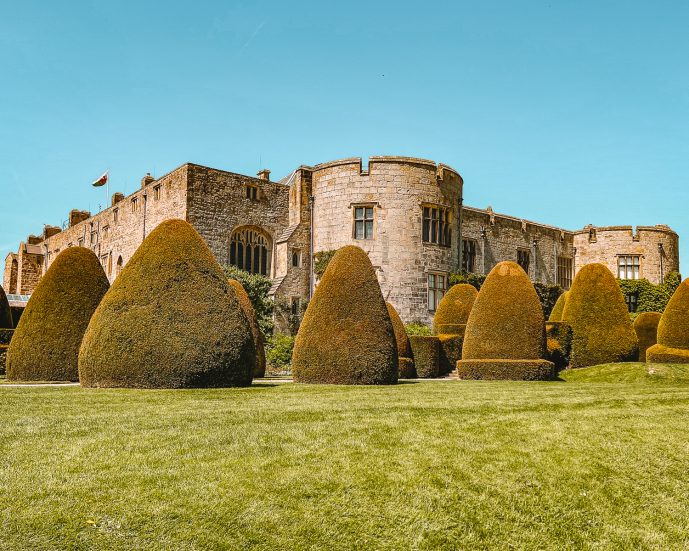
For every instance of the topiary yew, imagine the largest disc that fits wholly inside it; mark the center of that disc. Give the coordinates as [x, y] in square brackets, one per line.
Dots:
[170, 320]
[601, 329]
[505, 334]
[401, 338]
[646, 327]
[249, 312]
[346, 335]
[673, 330]
[559, 308]
[45, 344]
[5, 311]
[454, 308]
[426, 351]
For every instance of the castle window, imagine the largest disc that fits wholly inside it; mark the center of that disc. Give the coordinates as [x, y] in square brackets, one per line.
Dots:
[104, 261]
[249, 251]
[156, 192]
[295, 302]
[94, 237]
[436, 290]
[468, 255]
[564, 272]
[106, 231]
[115, 215]
[118, 267]
[296, 258]
[632, 300]
[252, 193]
[628, 267]
[363, 222]
[80, 242]
[436, 226]
[523, 259]
[135, 204]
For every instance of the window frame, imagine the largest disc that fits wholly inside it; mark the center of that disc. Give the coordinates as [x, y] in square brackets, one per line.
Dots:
[565, 271]
[251, 192]
[367, 224]
[436, 292]
[469, 248]
[156, 192]
[297, 252]
[629, 264]
[436, 225]
[524, 257]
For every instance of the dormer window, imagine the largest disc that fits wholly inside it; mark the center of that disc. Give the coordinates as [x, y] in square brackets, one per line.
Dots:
[252, 193]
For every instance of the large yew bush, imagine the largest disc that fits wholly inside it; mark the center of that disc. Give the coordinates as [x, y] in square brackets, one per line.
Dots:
[401, 337]
[250, 313]
[646, 327]
[170, 320]
[45, 344]
[346, 335]
[454, 308]
[602, 331]
[5, 311]
[673, 330]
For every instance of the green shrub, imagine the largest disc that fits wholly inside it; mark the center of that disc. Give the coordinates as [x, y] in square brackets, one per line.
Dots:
[650, 297]
[45, 345]
[406, 368]
[320, 262]
[170, 320]
[403, 349]
[558, 343]
[248, 309]
[418, 328]
[426, 352]
[455, 306]
[279, 352]
[257, 287]
[601, 329]
[346, 336]
[559, 308]
[450, 352]
[673, 330]
[5, 311]
[646, 327]
[505, 333]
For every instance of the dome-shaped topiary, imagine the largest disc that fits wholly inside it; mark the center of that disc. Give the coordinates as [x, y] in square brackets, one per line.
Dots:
[646, 327]
[559, 308]
[5, 311]
[45, 344]
[401, 338]
[455, 307]
[505, 333]
[250, 313]
[673, 330]
[602, 331]
[170, 320]
[346, 335]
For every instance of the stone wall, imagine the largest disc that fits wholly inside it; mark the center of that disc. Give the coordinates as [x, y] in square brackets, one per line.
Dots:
[606, 244]
[9, 279]
[29, 268]
[397, 188]
[498, 237]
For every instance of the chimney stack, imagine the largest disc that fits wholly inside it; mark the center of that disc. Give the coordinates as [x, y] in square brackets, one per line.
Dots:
[264, 174]
[49, 231]
[147, 180]
[116, 198]
[76, 216]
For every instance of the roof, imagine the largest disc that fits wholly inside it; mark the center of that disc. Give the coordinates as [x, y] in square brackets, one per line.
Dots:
[18, 301]
[287, 233]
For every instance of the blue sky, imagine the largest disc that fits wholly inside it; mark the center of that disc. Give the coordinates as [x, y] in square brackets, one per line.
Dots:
[564, 112]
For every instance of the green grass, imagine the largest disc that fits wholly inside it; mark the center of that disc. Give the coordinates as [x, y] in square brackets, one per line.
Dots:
[434, 465]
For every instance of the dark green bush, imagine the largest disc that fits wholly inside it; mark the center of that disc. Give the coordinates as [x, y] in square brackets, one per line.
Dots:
[450, 352]
[279, 352]
[346, 336]
[506, 323]
[426, 352]
[5, 312]
[455, 306]
[558, 343]
[403, 349]
[257, 287]
[320, 262]
[649, 297]
[406, 368]
[646, 327]
[601, 329]
[248, 309]
[45, 345]
[170, 320]
[673, 330]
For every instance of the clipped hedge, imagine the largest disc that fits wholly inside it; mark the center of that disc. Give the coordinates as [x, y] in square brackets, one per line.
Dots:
[455, 307]
[406, 368]
[426, 352]
[559, 308]
[401, 338]
[558, 343]
[248, 309]
[673, 330]
[170, 320]
[346, 335]
[601, 329]
[450, 352]
[5, 311]
[505, 329]
[45, 344]
[646, 327]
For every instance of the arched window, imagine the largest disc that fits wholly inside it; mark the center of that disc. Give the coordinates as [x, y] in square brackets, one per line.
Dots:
[118, 268]
[249, 251]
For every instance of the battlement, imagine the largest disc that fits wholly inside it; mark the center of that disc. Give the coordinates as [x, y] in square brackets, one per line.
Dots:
[357, 164]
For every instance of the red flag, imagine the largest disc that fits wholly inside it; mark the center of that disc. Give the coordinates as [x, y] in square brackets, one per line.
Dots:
[102, 180]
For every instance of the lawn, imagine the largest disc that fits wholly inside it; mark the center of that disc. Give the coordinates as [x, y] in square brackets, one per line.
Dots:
[598, 461]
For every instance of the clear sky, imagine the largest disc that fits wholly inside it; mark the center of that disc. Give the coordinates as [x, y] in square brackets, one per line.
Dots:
[563, 112]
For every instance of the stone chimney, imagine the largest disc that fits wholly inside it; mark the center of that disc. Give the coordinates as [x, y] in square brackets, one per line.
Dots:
[34, 239]
[264, 174]
[116, 198]
[49, 231]
[76, 216]
[147, 180]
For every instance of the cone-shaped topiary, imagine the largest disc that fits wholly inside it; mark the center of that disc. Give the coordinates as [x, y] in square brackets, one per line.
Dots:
[454, 308]
[505, 334]
[346, 335]
[5, 311]
[250, 313]
[673, 330]
[646, 327]
[559, 308]
[401, 338]
[170, 320]
[601, 329]
[45, 345]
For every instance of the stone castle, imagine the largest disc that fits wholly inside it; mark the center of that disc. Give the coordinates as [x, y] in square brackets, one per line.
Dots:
[406, 213]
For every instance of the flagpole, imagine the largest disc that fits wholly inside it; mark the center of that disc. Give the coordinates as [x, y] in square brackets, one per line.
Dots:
[107, 190]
